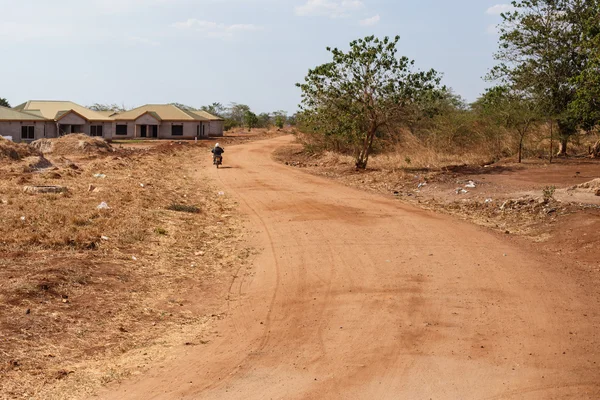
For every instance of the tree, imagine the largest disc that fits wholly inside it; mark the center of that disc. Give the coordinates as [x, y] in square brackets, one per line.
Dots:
[107, 107]
[216, 109]
[586, 106]
[237, 113]
[183, 106]
[362, 91]
[251, 120]
[512, 109]
[541, 53]
[292, 120]
[4, 102]
[264, 120]
[280, 118]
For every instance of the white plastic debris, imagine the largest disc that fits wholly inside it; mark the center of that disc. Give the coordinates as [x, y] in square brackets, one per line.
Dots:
[100, 176]
[103, 206]
[105, 238]
[23, 219]
[471, 185]
[488, 200]
[142, 185]
[134, 258]
[221, 193]
[422, 185]
[461, 191]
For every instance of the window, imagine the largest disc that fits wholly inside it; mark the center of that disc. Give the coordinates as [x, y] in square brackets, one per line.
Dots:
[96, 130]
[177, 130]
[121, 130]
[28, 132]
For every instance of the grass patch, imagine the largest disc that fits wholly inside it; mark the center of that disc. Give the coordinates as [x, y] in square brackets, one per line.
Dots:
[160, 231]
[184, 208]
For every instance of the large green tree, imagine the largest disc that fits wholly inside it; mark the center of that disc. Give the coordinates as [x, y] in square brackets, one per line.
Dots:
[362, 91]
[250, 120]
[587, 98]
[4, 102]
[541, 52]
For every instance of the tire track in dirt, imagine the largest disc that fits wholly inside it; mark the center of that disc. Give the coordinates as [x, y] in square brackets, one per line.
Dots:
[362, 297]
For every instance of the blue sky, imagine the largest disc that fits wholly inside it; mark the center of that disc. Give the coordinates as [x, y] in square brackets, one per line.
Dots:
[197, 52]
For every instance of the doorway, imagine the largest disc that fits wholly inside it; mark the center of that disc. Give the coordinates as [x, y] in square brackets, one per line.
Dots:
[143, 131]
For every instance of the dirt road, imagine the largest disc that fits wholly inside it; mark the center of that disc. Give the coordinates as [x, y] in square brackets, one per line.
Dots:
[357, 296]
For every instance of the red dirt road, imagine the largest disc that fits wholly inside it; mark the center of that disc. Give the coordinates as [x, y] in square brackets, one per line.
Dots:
[357, 296]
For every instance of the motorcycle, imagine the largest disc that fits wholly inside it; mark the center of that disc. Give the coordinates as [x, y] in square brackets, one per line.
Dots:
[217, 160]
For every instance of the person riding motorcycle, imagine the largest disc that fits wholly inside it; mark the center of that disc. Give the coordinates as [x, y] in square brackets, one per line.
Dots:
[217, 152]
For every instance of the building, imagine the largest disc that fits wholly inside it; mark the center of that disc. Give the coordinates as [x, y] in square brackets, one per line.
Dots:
[51, 119]
[69, 117]
[217, 124]
[160, 121]
[22, 126]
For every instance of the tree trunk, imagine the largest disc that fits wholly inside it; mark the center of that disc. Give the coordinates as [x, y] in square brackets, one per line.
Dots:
[363, 155]
[551, 140]
[562, 147]
[596, 150]
[520, 150]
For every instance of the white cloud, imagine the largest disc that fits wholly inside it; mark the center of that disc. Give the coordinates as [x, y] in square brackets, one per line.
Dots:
[214, 29]
[328, 8]
[370, 21]
[499, 9]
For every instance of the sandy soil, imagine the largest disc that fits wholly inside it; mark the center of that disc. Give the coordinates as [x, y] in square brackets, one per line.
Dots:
[356, 295]
[89, 296]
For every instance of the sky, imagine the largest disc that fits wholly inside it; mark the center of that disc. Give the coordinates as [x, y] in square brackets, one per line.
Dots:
[196, 52]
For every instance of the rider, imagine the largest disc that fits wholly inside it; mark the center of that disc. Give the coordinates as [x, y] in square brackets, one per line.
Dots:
[217, 151]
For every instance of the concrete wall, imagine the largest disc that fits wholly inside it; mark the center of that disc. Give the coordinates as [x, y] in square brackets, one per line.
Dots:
[72, 119]
[13, 128]
[147, 119]
[216, 128]
[190, 130]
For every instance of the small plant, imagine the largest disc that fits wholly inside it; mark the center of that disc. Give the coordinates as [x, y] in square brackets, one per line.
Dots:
[160, 231]
[184, 208]
[548, 193]
[407, 160]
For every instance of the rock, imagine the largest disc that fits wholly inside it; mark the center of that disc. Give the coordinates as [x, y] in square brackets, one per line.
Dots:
[91, 188]
[28, 311]
[44, 189]
[597, 192]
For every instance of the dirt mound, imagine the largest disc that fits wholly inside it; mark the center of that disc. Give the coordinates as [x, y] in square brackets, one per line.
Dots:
[15, 151]
[76, 144]
[592, 185]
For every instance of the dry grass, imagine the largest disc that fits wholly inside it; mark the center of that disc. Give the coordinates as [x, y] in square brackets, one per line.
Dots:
[89, 295]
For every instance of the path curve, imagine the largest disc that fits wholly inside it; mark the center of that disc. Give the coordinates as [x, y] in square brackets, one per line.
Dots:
[358, 296]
